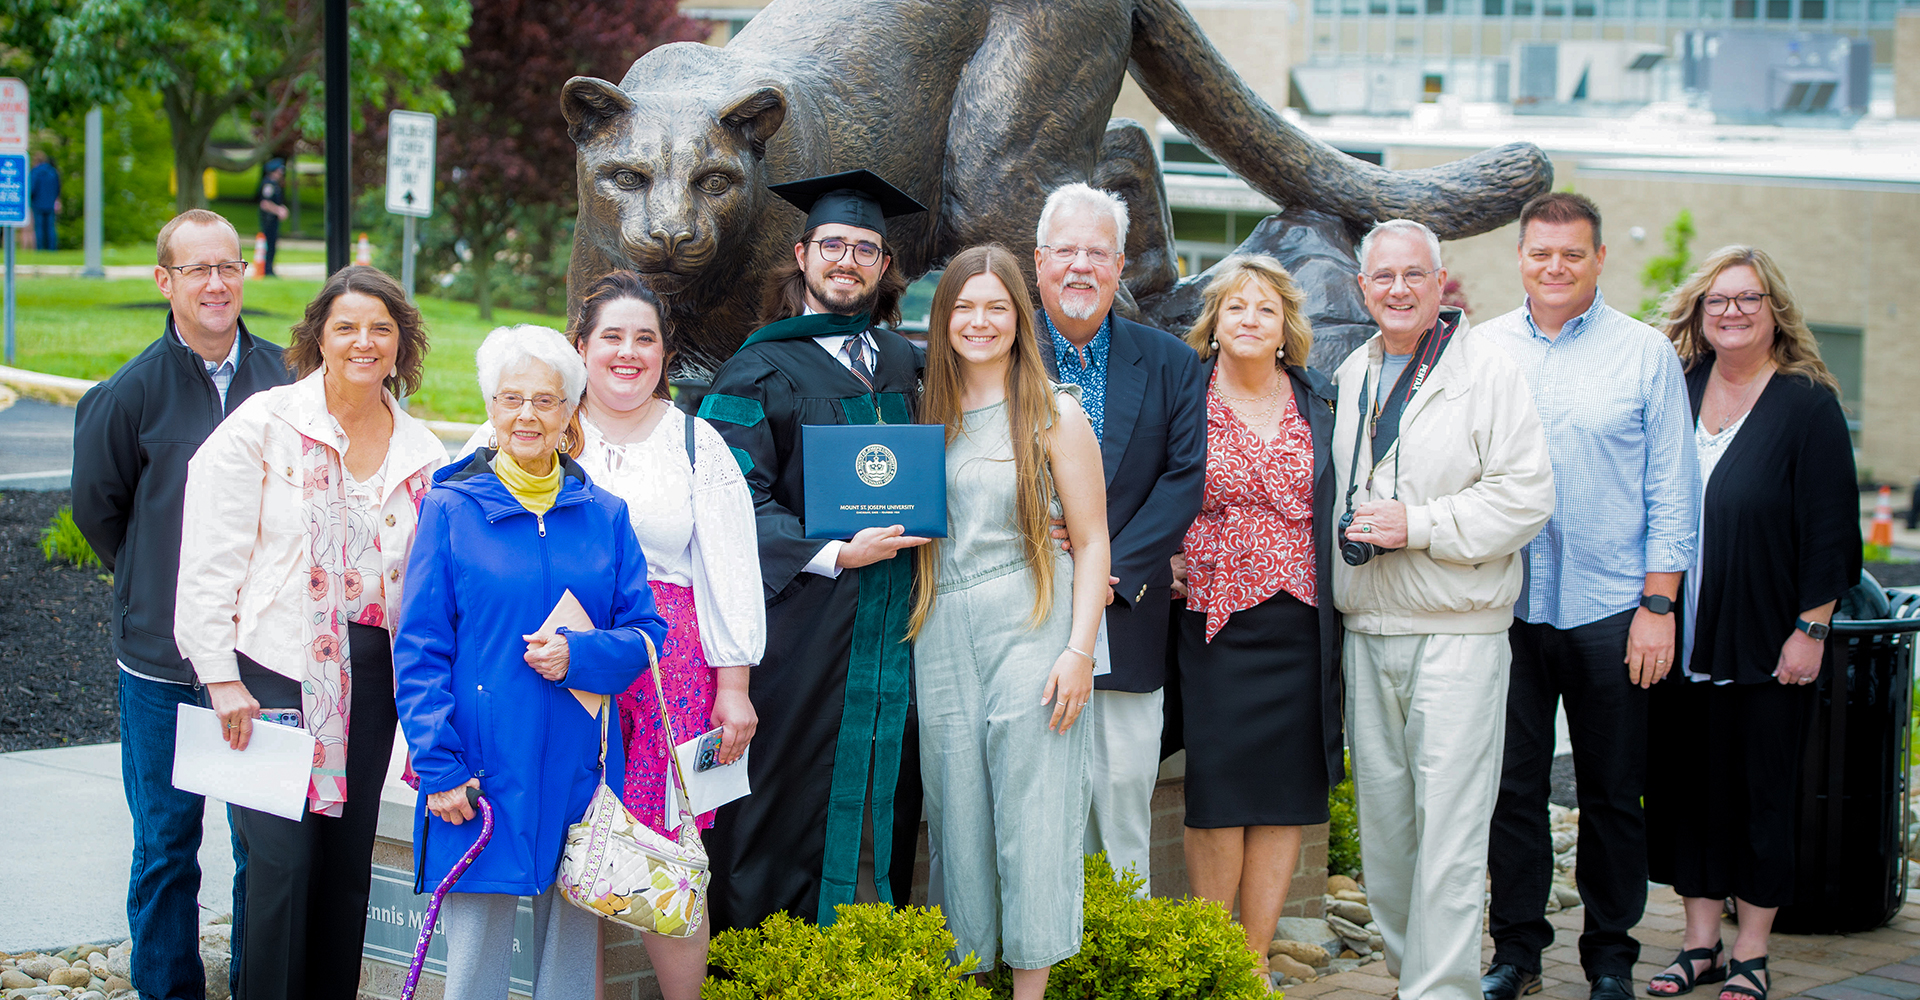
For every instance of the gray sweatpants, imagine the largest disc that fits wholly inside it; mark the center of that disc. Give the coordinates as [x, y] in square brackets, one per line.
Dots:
[479, 929]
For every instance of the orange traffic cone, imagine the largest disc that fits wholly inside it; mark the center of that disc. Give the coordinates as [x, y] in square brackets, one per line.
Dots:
[1881, 533]
[259, 268]
[363, 252]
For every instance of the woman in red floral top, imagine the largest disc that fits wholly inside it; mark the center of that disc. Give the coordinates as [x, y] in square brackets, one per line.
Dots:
[1259, 680]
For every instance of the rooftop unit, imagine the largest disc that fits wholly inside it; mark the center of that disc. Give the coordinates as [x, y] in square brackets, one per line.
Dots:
[1778, 77]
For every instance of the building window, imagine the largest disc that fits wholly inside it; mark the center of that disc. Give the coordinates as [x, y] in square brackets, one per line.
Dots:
[1779, 10]
[1583, 8]
[1432, 85]
[1840, 349]
[1323, 6]
[1745, 10]
[1493, 8]
[1436, 6]
[1522, 8]
[1881, 11]
[1679, 9]
[1813, 10]
[1713, 9]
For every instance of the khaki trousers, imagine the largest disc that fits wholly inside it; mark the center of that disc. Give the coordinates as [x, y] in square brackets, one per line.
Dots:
[1426, 718]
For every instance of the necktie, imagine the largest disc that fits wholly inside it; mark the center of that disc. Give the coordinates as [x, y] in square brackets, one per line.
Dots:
[856, 351]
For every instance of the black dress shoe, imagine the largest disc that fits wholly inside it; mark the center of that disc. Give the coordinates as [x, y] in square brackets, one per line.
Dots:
[1611, 988]
[1509, 982]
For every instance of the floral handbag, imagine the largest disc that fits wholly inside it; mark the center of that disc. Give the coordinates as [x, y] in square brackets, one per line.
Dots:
[619, 868]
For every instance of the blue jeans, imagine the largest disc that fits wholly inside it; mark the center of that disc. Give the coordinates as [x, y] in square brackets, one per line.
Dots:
[163, 908]
[45, 236]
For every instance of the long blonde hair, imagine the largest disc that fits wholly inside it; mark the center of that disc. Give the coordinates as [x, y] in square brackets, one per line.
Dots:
[1237, 270]
[1795, 351]
[1030, 412]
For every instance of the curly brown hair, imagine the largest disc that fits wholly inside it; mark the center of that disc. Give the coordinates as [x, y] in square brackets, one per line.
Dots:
[303, 355]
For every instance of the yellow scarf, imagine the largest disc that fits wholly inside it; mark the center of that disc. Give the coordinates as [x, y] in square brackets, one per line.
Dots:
[535, 493]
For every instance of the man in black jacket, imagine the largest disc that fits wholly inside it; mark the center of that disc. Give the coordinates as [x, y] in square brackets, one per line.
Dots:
[132, 437]
[1144, 392]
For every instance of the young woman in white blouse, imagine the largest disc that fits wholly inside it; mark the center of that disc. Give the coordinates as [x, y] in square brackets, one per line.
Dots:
[694, 517]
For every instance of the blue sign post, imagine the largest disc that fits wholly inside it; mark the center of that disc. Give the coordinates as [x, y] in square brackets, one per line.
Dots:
[13, 212]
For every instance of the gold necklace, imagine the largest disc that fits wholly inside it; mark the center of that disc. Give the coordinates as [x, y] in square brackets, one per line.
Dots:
[1748, 396]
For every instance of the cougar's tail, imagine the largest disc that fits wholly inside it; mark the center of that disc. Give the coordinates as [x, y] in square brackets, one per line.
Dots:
[1191, 83]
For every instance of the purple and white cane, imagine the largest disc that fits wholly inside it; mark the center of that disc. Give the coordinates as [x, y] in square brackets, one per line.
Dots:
[475, 799]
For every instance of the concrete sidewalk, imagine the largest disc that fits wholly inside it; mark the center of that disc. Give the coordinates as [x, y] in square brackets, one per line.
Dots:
[66, 842]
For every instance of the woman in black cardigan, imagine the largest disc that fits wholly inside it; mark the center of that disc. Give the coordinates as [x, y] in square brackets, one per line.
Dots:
[1779, 544]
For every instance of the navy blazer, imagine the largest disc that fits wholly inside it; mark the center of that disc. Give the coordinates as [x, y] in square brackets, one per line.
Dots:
[1153, 442]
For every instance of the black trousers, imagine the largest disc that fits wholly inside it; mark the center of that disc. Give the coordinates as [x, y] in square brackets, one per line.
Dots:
[1607, 718]
[270, 228]
[307, 882]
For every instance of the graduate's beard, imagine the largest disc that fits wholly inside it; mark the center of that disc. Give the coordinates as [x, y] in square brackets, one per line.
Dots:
[844, 302]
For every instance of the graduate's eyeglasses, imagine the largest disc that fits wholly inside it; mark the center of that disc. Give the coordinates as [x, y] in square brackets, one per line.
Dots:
[1746, 303]
[1065, 255]
[513, 401]
[835, 250]
[230, 270]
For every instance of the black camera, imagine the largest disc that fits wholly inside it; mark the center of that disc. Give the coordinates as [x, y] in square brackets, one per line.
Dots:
[1355, 553]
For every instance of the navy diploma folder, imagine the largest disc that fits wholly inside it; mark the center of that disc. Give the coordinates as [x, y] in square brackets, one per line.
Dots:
[875, 475]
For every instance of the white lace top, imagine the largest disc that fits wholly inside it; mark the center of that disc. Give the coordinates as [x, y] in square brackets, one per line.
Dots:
[698, 535]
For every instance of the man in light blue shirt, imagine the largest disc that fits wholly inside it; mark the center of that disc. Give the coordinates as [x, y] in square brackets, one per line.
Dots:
[1595, 624]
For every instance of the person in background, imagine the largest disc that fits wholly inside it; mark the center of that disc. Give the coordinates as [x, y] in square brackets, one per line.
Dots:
[273, 209]
[1594, 625]
[1438, 441]
[492, 700]
[300, 512]
[1004, 771]
[1258, 646]
[1779, 545]
[133, 436]
[43, 197]
[1144, 393]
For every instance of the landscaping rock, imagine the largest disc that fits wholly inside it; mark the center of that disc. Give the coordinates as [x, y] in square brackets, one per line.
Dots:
[1568, 896]
[41, 966]
[1338, 883]
[70, 976]
[14, 979]
[1288, 967]
[1310, 955]
[1350, 895]
[1356, 912]
[1347, 929]
[1311, 930]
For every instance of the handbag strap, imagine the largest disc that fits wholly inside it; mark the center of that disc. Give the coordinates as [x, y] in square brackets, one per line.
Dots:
[660, 698]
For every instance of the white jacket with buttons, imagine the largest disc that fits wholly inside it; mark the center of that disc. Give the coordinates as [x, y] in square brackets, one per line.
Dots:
[1473, 471]
[244, 546]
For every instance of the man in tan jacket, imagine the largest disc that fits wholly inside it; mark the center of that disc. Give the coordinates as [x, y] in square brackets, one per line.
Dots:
[1441, 459]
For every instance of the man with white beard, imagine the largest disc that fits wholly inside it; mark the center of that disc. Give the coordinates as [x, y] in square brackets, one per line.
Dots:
[1144, 392]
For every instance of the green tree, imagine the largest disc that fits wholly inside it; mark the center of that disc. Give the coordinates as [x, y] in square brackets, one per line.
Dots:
[1665, 272]
[210, 60]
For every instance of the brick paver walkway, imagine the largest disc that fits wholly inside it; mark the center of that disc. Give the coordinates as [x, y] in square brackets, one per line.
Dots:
[1874, 965]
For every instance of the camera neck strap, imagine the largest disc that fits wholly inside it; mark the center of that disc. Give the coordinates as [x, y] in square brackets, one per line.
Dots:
[1426, 355]
[1359, 438]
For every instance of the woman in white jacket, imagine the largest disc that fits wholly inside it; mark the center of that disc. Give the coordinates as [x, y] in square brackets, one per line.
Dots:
[300, 511]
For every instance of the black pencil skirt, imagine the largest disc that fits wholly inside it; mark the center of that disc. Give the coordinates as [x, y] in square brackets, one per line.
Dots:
[1251, 711]
[1723, 764]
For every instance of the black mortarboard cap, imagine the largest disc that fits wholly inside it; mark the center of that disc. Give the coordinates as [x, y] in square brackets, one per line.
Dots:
[854, 198]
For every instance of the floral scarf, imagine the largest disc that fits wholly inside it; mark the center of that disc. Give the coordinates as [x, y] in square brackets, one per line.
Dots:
[326, 682]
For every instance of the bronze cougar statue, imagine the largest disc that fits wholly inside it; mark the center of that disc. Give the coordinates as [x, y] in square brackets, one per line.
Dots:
[977, 108]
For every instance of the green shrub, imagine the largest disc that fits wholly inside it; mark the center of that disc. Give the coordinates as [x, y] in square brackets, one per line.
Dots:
[1343, 833]
[61, 539]
[871, 951]
[1150, 949]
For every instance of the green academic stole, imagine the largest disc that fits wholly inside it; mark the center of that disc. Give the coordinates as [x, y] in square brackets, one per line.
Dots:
[874, 716]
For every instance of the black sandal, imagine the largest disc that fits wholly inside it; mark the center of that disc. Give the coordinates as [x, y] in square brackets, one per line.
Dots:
[1736, 967]
[1685, 979]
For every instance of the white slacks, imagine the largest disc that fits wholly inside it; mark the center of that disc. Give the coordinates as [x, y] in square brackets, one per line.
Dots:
[1125, 766]
[1426, 718]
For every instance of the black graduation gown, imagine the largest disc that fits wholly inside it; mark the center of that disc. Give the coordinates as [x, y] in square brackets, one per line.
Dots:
[834, 689]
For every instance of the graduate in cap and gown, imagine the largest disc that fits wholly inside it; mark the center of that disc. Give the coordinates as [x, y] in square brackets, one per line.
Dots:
[835, 808]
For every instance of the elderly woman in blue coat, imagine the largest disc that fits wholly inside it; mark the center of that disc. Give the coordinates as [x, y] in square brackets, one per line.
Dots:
[489, 698]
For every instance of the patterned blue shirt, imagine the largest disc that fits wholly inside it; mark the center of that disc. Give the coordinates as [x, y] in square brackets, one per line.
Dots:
[1091, 377]
[222, 373]
[1613, 401]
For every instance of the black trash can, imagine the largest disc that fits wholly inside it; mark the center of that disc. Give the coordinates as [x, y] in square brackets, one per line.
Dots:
[1851, 866]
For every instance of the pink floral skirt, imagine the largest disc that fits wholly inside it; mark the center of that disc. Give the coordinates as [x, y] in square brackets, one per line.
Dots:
[689, 685]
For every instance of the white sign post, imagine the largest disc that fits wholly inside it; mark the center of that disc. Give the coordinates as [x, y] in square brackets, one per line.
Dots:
[13, 181]
[412, 137]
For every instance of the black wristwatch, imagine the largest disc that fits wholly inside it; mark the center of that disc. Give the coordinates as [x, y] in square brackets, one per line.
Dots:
[1817, 631]
[1659, 604]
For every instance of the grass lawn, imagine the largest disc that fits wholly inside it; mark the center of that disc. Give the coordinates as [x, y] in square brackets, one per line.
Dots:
[116, 256]
[87, 328]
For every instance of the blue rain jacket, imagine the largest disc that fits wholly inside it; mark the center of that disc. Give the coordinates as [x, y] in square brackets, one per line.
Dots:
[484, 572]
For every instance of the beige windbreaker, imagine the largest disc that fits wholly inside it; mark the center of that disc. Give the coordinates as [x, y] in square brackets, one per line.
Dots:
[1474, 474]
[243, 548]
